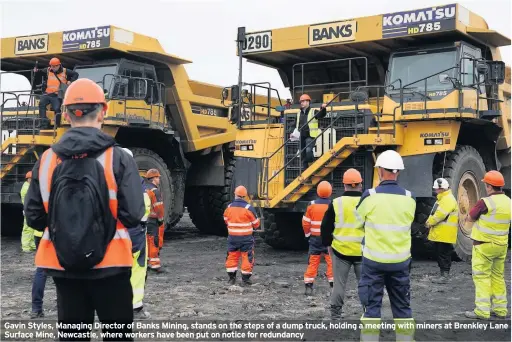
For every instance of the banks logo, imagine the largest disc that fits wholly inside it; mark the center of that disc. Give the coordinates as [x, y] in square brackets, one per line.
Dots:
[31, 44]
[329, 33]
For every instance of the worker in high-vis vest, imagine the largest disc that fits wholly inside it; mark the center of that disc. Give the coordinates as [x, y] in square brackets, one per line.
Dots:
[387, 212]
[241, 220]
[156, 221]
[342, 230]
[55, 80]
[443, 226]
[311, 222]
[491, 217]
[307, 126]
[140, 256]
[27, 234]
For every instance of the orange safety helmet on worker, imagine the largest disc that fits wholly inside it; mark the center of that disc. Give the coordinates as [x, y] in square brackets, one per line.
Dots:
[156, 220]
[86, 93]
[241, 220]
[311, 223]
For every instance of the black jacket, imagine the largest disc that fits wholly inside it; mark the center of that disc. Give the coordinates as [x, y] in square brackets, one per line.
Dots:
[327, 228]
[71, 75]
[92, 141]
[303, 119]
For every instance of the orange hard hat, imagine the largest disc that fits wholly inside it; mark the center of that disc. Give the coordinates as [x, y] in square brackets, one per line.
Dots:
[352, 176]
[494, 178]
[84, 91]
[28, 175]
[241, 191]
[304, 97]
[54, 61]
[324, 189]
[152, 173]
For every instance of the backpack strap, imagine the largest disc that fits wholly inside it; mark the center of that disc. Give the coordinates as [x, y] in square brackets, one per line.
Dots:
[106, 159]
[49, 161]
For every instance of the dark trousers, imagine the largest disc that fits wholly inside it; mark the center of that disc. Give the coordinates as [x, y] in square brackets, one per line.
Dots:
[111, 298]
[444, 255]
[307, 154]
[38, 285]
[395, 277]
[55, 102]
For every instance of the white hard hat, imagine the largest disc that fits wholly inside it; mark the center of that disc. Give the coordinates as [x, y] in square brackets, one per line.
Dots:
[128, 151]
[390, 160]
[441, 183]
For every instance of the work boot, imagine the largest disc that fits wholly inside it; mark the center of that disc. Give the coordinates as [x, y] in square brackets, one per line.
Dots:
[232, 278]
[36, 314]
[44, 123]
[495, 315]
[245, 280]
[140, 313]
[331, 284]
[443, 278]
[336, 312]
[157, 270]
[309, 289]
[473, 315]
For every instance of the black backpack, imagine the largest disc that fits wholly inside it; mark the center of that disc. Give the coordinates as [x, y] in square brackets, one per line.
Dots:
[80, 222]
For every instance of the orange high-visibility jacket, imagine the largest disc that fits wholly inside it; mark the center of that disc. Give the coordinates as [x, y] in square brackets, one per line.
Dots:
[312, 219]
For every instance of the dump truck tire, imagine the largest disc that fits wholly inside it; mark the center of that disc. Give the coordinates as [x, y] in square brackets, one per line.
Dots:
[220, 197]
[284, 230]
[147, 159]
[464, 169]
[12, 219]
[196, 203]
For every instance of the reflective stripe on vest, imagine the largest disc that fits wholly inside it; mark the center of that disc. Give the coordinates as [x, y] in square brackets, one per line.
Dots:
[313, 124]
[387, 226]
[446, 230]
[52, 83]
[119, 250]
[147, 206]
[348, 226]
[495, 225]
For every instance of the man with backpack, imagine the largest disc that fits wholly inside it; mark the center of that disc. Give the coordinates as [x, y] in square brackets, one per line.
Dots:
[85, 191]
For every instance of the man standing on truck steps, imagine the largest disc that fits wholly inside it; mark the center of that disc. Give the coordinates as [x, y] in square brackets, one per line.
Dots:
[491, 217]
[443, 225]
[342, 230]
[140, 255]
[85, 191]
[156, 222]
[311, 222]
[55, 81]
[387, 212]
[310, 131]
[241, 220]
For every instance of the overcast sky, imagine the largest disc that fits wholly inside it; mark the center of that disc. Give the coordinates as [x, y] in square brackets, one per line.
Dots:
[204, 30]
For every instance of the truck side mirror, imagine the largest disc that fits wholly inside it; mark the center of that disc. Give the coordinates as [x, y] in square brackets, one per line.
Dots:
[482, 68]
[496, 73]
[225, 94]
[234, 93]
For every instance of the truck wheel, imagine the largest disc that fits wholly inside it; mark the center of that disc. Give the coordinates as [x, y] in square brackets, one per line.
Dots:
[12, 220]
[284, 230]
[147, 159]
[219, 199]
[196, 203]
[464, 170]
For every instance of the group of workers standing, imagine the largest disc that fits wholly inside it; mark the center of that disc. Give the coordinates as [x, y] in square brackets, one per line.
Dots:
[99, 263]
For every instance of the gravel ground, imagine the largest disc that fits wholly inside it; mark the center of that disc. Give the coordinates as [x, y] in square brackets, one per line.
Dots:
[194, 286]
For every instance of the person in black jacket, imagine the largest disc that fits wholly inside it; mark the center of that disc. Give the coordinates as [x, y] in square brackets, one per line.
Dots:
[53, 79]
[107, 289]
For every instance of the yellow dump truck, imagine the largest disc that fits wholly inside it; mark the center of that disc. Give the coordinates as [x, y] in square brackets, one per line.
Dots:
[428, 83]
[179, 126]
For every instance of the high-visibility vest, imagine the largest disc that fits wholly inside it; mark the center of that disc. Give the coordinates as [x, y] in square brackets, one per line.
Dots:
[388, 219]
[240, 218]
[52, 82]
[313, 124]
[147, 206]
[444, 220]
[312, 219]
[495, 225]
[119, 250]
[348, 226]
[157, 206]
